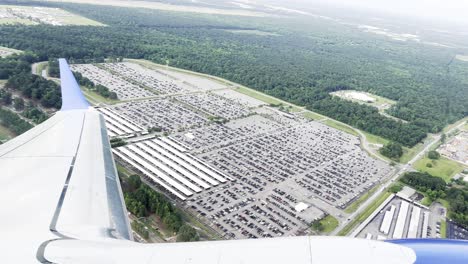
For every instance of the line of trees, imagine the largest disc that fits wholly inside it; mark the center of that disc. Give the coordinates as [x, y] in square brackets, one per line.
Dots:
[100, 89]
[13, 122]
[36, 88]
[299, 64]
[143, 201]
[435, 188]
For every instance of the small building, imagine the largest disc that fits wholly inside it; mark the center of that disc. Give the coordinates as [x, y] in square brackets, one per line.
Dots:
[301, 207]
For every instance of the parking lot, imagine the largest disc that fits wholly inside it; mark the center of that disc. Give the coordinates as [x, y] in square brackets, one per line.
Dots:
[455, 231]
[279, 171]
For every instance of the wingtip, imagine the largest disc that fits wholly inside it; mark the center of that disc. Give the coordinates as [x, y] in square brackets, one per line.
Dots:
[72, 97]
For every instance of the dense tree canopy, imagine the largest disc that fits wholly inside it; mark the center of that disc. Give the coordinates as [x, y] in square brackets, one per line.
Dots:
[36, 88]
[435, 187]
[392, 150]
[433, 155]
[187, 234]
[423, 181]
[296, 63]
[13, 122]
[145, 201]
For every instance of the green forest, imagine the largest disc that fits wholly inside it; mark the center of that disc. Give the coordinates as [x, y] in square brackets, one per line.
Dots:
[302, 62]
[142, 201]
[456, 193]
[37, 90]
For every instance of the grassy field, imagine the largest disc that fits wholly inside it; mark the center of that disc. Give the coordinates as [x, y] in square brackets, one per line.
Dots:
[365, 214]
[7, 50]
[122, 170]
[339, 126]
[409, 153]
[443, 229]
[96, 98]
[79, 20]
[380, 102]
[313, 116]
[253, 32]
[266, 98]
[373, 139]
[329, 223]
[355, 205]
[442, 167]
[173, 8]
[41, 66]
[447, 128]
[23, 14]
[5, 21]
[5, 133]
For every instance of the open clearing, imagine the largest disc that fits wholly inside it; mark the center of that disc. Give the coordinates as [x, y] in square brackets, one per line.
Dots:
[342, 127]
[456, 148]
[329, 224]
[442, 167]
[5, 133]
[266, 98]
[96, 98]
[379, 102]
[355, 205]
[29, 15]
[169, 7]
[313, 116]
[4, 51]
[254, 32]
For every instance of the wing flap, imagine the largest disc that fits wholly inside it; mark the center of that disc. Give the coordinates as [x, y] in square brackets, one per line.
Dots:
[297, 250]
[93, 207]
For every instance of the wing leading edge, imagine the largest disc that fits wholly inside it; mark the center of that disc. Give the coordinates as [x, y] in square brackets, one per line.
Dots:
[63, 204]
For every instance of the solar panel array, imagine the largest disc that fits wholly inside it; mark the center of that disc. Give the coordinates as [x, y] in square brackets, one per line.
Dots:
[165, 162]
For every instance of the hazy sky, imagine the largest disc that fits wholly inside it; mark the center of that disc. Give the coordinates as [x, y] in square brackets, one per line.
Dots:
[455, 10]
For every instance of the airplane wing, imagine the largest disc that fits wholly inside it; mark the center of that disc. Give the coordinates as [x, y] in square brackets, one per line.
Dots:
[62, 203]
[59, 181]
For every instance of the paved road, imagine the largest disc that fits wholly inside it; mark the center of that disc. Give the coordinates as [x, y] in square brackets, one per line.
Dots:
[400, 170]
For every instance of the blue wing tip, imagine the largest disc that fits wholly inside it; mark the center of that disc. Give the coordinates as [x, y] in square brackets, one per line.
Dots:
[72, 97]
[430, 251]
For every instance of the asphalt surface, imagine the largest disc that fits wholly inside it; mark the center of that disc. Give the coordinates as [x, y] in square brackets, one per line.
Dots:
[401, 169]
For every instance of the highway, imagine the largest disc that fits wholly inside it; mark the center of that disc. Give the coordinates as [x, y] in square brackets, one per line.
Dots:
[401, 169]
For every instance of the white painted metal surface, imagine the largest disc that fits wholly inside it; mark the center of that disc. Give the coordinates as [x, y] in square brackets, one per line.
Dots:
[190, 160]
[400, 224]
[120, 119]
[148, 174]
[156, 171]
[173, 144]
[35, 167]
[414, 222]
[294, 250]
[387, 221]
[163, 167]
[179, 160]
[425, 224]
[174, 165]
